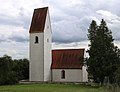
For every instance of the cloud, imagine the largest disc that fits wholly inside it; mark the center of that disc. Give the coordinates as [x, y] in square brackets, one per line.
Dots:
[11, 33]
[17, 38]
[71, 30]
[75, 15]
[70, 20]
[21, 19]
[113, 21]
[15, 49]
[108, 16]
[2, 38]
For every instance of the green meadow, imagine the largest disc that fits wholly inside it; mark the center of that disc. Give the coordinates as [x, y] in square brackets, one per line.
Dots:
[50, 88]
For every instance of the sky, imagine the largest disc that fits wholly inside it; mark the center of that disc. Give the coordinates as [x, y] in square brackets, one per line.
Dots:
[70, 20]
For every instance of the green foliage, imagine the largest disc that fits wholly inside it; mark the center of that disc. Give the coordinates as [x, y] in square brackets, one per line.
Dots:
[6, 73]
[103, 54]
[92, 31]
[11, 71]
[21, 67]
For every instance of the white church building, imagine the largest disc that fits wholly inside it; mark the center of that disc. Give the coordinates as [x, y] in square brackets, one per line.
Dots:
[61, 65]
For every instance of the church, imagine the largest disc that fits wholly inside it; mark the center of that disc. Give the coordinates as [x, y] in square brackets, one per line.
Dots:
[60, 65]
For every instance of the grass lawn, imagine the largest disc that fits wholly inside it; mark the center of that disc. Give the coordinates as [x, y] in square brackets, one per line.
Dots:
[49, 88]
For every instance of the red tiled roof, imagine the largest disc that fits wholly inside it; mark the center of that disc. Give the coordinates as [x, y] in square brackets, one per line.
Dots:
[38, 20]
[67, 58]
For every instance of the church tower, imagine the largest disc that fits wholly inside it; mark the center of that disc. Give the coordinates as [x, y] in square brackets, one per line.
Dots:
[40, 46]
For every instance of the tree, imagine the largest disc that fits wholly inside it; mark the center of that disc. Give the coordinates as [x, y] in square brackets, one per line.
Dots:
[117, 76]
[7, 76]
[92, 31]
[21, 67]
[11, 71]
[103, 58]
[117, 72]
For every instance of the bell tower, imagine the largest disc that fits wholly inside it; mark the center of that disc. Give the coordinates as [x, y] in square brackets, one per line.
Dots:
[40, 46]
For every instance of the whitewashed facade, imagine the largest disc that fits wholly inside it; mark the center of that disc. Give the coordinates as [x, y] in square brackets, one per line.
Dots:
[36, 57]
[71, 75]
[84, 74]
[41, 53]
[47, 49]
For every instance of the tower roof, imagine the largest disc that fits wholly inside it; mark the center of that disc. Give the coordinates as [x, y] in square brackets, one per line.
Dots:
[67, 58]
[38, 20]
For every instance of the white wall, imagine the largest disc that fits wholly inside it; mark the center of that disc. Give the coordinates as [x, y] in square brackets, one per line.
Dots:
[47, 49]
[36, 57]
[84, 70]
[40, 54]
[84, 74]
[71, 75]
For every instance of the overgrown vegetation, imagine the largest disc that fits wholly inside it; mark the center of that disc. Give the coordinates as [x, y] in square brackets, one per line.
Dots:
[11, 71]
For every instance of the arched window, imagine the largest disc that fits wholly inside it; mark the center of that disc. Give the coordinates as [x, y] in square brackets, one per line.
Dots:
[36, 39]
[63, 74]
[47, 40]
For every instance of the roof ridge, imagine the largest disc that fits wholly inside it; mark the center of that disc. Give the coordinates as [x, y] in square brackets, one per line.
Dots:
[69, 49]
[41, 8]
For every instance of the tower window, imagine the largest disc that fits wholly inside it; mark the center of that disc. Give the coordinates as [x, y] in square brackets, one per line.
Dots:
[63, 74]
[47, 40]
[36, 39]
[47, 27]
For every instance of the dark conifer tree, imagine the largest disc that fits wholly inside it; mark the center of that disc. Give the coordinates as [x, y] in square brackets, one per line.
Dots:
[103, 58]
